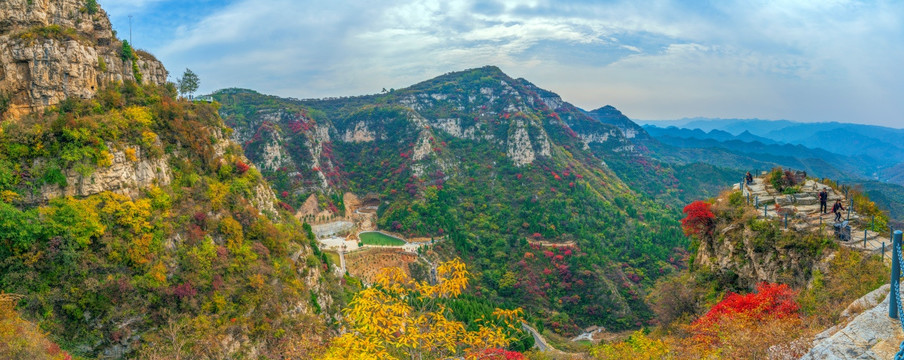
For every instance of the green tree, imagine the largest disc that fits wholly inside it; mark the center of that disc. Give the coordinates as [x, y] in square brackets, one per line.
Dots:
[188, 83]
[91, 7]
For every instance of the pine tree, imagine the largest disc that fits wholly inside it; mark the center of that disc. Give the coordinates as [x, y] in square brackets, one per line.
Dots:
[188, 83]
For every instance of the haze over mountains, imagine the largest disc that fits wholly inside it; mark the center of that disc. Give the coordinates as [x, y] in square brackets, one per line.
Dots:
[869, 156]
[877, 151]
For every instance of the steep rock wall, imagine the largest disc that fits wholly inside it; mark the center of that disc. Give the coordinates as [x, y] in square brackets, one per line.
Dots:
[51, 50]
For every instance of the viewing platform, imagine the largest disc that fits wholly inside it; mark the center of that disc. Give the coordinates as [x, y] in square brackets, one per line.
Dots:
[801, 212]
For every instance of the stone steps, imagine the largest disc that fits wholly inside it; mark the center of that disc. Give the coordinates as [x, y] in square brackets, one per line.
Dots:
[806, 216]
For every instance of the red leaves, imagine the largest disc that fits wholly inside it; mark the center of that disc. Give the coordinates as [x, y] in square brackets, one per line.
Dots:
[286, 207]
[185, 290]
[769, 301]
[699, 219]
[241, 166]
[500, 354]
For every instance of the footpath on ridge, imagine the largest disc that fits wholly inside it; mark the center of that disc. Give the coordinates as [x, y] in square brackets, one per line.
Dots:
[802, 210]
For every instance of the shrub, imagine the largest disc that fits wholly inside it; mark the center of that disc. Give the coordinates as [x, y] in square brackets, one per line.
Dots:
[126, 52]
[699, 219]
[638, 346]
[91, 7]
[54, 32]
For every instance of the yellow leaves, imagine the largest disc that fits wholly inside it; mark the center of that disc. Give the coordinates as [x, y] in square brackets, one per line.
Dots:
[130, 154]
[149, 138]
[256, 281]
[452, 278]
[638, 346]
[139, 115]
[140, 249]
[134, 216]
[399, 318]
[232, 230]
[216, 193]
[9, 196]
[105, 159]
[157, 275]
[511, 316]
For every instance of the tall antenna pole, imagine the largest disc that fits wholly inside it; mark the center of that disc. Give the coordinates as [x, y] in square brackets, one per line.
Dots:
[130, 32]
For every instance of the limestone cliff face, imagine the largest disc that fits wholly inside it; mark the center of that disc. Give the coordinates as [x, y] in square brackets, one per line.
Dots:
[127, 175]
[54, 49]
[736, 251]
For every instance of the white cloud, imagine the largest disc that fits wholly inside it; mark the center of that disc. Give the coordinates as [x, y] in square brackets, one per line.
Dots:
[803, 60]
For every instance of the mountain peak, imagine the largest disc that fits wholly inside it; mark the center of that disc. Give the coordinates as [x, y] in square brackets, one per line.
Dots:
[608, 110]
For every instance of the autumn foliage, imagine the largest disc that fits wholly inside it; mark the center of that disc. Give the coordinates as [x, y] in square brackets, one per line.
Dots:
[498, 354]
[20, 339]
[399, 318]
[756, 325]
[769, 300]
[699, 219]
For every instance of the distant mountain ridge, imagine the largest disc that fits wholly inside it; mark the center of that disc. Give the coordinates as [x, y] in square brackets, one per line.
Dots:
[884, 146]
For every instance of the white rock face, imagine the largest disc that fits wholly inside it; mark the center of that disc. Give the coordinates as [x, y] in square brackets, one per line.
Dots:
[273, 156]
[359, 134]
[422, 149]
[40, 72]
[596, 137]
[870, 335]
[553, 102]
[321, 135]
[520, 149]
[124, 176]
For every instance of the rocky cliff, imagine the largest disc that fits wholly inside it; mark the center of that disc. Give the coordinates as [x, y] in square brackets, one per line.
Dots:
[167, 242]
[745, 250]
[51, 50]
[866, 331]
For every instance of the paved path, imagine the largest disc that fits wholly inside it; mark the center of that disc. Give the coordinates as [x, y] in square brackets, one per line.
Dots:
[804, 214]
[539, 342]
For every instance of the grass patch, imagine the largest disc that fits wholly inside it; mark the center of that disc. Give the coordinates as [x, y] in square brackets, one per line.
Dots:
[378, 238]
[55, 32]
[334, 257]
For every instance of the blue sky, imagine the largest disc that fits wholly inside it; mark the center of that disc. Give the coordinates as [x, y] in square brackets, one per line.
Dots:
[825, 60]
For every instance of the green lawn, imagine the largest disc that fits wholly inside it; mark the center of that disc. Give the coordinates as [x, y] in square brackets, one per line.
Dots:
[378, 238]
[334, 257]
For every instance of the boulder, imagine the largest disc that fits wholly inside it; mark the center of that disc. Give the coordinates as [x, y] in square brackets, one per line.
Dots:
[870, 335]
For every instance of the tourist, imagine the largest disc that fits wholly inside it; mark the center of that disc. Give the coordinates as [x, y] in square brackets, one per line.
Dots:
[823, 200]
[749, 178]
[837, 209]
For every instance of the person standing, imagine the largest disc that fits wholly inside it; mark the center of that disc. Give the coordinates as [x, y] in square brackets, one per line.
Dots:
[823, 200]
[837, 209]
[749, 178]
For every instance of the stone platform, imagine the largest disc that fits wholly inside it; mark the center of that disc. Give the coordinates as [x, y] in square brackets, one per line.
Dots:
[803, 213]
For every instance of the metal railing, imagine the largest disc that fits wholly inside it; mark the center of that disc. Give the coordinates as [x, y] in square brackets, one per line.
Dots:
[894, 301]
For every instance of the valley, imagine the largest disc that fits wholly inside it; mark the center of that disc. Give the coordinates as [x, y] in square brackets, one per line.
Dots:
[471, 215]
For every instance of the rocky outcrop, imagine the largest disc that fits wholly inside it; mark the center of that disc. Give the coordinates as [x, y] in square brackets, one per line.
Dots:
[739, 252]
[359, 134]
[520, 149]
[127, 175]
[54, 49]
[869, 335]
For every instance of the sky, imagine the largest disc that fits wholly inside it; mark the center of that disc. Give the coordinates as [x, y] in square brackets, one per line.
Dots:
[819, 60]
